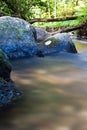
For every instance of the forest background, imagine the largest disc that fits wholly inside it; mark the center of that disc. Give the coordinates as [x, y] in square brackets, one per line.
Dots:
[54, 14]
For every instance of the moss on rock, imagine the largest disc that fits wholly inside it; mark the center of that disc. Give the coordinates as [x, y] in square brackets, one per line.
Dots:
[5, 66]
[8, 92]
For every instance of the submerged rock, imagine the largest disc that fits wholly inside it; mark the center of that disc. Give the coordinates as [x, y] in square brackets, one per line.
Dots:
[17, 37]
[60, 42]
[8, 91]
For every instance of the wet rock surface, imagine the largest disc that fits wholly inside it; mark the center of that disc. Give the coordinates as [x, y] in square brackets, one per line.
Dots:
[60, 42]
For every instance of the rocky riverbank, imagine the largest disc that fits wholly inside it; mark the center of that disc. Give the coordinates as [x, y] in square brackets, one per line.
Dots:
[20, 39]
[8, 91]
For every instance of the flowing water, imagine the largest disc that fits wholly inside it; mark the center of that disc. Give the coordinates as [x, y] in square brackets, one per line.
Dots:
[54, 93]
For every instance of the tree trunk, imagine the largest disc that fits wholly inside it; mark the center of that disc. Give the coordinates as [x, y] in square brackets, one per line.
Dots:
[49, 12]
[55, 8]
[54, 20]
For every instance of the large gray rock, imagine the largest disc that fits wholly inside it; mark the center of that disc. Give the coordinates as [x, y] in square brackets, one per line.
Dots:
[60, 42]
[17, 37]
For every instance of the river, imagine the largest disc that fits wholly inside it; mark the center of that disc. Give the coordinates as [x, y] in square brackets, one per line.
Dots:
[54, 93]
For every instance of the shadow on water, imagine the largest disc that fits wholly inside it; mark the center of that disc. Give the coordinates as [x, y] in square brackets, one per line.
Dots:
[54, 93]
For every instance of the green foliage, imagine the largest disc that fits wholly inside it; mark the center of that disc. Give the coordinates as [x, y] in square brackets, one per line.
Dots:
[4, 8]
[29, 9]
[22, 8]
[57, 25]
[84, 13]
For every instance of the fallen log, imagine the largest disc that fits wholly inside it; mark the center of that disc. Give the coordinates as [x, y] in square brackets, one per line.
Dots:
[80, 26]
[73, 28]
[54, 19]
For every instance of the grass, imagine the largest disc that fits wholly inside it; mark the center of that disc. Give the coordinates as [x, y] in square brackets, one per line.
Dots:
[57, 25]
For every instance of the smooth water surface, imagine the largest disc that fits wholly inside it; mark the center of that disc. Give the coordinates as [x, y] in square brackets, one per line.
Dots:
[54, 93]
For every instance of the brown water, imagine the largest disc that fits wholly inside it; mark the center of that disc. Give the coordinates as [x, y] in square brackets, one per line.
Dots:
[54, 93]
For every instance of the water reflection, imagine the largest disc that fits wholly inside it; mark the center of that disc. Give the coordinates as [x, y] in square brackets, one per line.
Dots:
[54, 93]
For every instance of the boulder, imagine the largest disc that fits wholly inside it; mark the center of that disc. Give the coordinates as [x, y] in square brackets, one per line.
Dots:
[17, 37]
[41, 34]
[60, 42]
[5, 66]
[8, 91]
[9, 94]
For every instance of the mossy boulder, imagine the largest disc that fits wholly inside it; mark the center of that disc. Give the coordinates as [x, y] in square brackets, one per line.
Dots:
[5, 66]
[9, 94]
[17, 37]
[8, 91]
[60, 42]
